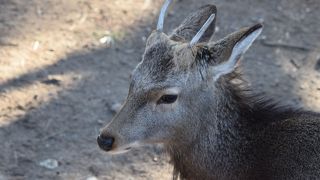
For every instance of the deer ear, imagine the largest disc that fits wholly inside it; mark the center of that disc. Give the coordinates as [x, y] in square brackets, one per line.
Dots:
[193, 23]
[226, 53]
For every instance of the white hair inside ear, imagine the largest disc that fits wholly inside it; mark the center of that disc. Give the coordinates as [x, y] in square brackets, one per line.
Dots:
[240, 48]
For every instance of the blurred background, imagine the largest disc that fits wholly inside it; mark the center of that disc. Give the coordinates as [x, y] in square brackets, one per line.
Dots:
[64, 68]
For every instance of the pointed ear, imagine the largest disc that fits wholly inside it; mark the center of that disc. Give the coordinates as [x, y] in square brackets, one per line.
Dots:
[226, 53]
[192, 24]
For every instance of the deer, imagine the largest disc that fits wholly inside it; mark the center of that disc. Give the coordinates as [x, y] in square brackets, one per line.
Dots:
[188, 94]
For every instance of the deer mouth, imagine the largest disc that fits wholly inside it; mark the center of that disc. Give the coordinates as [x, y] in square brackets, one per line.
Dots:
[123, 149]
[116, 151]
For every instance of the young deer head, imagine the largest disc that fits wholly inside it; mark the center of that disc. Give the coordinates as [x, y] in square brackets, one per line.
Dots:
[179, 80]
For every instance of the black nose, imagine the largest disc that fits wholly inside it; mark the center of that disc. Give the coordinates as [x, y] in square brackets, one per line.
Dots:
[105, 142]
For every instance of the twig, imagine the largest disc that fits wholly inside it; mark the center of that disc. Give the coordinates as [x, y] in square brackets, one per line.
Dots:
[286, 46]
[7, 44]
[294, 64]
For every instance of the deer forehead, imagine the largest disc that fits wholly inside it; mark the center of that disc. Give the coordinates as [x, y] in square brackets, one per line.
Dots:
[154, 77]
[165, 63]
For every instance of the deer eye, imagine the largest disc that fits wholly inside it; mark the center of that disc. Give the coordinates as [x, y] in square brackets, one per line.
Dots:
[167, 99]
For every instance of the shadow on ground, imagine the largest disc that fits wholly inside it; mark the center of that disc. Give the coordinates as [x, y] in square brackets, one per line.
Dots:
[65, 128]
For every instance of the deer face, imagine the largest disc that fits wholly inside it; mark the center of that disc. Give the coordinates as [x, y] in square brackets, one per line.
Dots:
[173, 84]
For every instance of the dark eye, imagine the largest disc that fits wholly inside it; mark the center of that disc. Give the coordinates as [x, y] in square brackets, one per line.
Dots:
[168, 99]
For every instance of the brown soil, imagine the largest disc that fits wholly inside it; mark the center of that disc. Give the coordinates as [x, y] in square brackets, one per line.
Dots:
[58, 81]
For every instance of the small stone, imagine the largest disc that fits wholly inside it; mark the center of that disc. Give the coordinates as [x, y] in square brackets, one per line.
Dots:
[115, 108]
[107, 40]
[49, 163]
[155, 159]
[35, 45]
[92, 178]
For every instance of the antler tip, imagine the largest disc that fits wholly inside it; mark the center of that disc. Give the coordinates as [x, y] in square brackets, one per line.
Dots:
[162, 14]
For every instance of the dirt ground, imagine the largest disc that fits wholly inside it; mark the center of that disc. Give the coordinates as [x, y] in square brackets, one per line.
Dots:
[65, 64]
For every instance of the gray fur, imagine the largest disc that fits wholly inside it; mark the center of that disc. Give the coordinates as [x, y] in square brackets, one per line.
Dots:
[216, 129]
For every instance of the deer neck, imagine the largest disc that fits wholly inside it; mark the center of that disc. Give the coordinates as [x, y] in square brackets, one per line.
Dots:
[216, 141]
